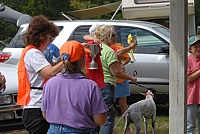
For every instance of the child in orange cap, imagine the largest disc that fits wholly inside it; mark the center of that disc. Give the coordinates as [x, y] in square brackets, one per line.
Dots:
[71, 102]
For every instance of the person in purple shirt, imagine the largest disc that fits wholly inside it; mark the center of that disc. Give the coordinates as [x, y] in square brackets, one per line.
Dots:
[72, 103]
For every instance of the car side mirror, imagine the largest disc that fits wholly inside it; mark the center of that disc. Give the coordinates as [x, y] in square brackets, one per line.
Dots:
[164, 49]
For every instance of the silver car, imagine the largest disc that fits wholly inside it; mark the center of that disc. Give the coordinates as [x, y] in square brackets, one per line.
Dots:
[151, 54]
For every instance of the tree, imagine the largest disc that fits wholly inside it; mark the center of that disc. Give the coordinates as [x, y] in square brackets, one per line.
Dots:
[50, 8]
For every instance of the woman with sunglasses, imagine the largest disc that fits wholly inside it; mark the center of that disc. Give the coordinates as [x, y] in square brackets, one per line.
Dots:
[111, 72]
[33, 71]
[122, 89]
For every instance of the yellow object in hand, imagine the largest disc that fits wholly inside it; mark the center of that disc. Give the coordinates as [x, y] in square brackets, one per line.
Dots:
[129, 41]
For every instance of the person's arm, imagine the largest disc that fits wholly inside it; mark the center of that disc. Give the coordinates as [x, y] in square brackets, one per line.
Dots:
[100, 119]
[126, 61]
[125, 50]
[193, 76]
[50, 71]
[89, 37]
[117, 73]
[44, 115]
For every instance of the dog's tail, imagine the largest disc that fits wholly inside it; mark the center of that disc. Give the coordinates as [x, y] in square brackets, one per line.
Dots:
[125, 114]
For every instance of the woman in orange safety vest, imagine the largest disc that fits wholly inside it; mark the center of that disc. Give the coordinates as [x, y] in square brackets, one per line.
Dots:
[33, 71]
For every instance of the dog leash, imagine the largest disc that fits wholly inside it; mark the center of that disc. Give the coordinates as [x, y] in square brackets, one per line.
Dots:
[151, 89]
[135, 74]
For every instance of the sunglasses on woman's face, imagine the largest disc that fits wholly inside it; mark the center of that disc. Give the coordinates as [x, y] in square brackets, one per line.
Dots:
[114, 35]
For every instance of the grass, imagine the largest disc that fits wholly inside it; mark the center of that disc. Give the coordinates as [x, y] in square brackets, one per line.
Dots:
[162, 125]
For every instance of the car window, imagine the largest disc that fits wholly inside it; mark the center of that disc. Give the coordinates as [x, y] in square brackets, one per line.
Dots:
[79, 32]
[18, 40]
[2, 45]
[148, 42]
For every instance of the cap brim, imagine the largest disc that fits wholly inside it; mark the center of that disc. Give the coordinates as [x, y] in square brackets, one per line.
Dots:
[194, 42]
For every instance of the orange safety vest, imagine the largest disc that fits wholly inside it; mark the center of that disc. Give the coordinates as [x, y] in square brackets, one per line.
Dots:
[23, 83]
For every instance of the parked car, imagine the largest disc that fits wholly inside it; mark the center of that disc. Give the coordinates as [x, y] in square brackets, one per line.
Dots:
[151, 54]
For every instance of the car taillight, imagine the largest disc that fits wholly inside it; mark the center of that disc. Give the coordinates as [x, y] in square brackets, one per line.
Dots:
[4, 56]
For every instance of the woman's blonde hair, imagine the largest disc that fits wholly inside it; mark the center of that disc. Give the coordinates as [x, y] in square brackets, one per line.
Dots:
[103, 32]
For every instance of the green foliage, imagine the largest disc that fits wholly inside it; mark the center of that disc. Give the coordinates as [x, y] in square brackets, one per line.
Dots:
[7, 31]
[80, 4]
[50, 8]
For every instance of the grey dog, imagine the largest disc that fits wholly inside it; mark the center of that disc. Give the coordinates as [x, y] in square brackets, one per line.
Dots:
[145, 108]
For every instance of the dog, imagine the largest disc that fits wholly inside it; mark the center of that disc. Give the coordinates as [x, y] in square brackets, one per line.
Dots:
[145, 108]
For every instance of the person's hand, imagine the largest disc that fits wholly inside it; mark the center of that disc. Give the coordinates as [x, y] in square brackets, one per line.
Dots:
[96, 40]
[85, 44]
[2, 82]
[134, 80]
[134, 44]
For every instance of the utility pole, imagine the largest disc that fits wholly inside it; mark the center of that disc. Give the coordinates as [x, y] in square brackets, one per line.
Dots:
[178, 66]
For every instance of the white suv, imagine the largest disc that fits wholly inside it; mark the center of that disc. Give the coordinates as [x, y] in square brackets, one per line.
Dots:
[151, 54]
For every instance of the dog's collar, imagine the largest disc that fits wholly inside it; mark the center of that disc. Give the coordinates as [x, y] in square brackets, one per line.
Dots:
[148, 94]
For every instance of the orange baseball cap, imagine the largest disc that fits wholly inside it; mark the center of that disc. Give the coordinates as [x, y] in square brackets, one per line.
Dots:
[74, 50]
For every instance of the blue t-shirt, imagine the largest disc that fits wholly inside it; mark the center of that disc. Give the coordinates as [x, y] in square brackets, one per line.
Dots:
[52, 50]
[72, 100]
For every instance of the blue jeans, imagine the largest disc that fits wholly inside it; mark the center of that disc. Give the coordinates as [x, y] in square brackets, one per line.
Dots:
[108, 96]
[191, 118]
[61, 129]
[198, 119]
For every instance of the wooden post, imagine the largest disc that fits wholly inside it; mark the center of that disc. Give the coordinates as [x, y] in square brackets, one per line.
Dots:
[178, 66]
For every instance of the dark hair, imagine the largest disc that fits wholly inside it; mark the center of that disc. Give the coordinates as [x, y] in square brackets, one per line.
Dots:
[38, 29]
[71, 68]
